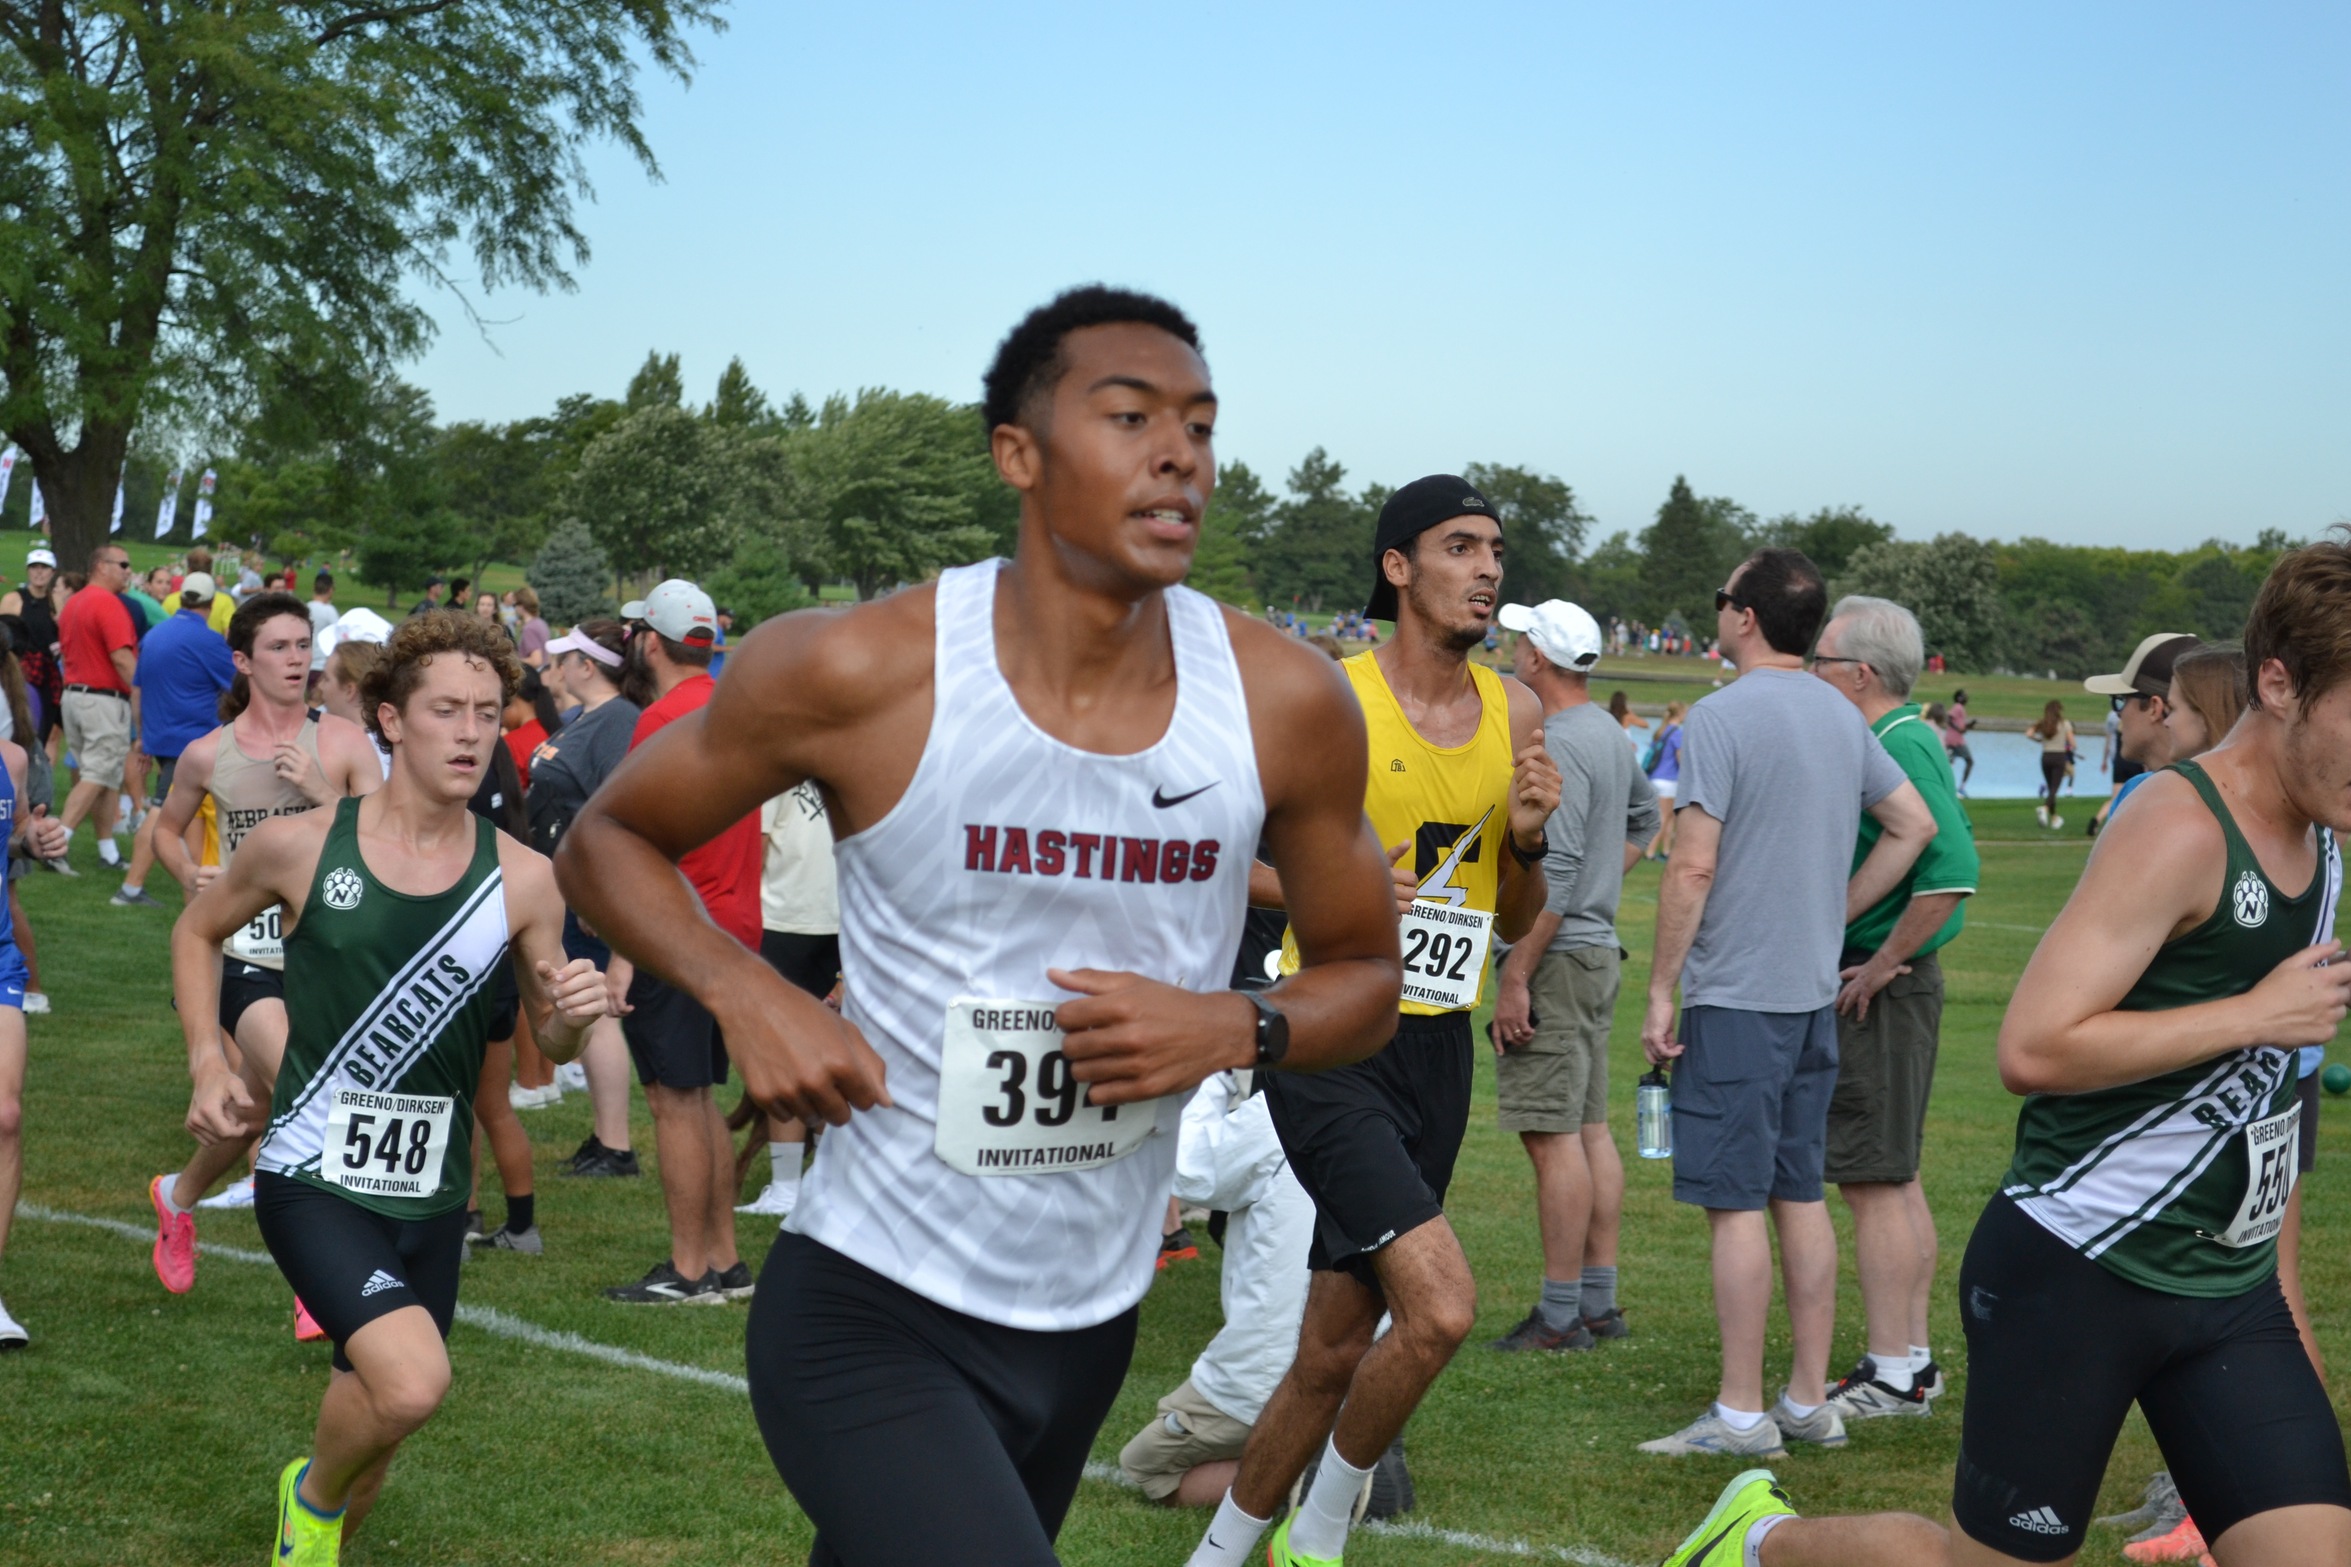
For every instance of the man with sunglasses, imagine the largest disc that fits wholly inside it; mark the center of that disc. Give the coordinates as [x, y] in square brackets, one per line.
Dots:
[2141, 695]
[1751, 921]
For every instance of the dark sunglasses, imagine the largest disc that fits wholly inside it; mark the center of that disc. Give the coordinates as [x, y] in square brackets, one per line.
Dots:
[2121, 702]
[1723, 600]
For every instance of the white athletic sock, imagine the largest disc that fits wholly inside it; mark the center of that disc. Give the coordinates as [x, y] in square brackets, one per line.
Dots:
[163, 1193]
[132, 889]
[1320, 1528]
[1231, 1540]
[783, 1169]
[1751, 1552]
[1921, 1357]
[1738, 1419]
[1800, 1411]
[1893, 1370]
[109, 853]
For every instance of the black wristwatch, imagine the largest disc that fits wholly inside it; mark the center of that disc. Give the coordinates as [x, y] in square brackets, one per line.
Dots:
[1273, 1031]
[1527, 861]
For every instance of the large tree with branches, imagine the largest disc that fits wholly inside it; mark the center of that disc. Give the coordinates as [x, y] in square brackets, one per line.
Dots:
[211, 205]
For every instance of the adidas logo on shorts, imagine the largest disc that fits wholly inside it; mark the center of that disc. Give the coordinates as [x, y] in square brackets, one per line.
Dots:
[2040, 1521]
[378, 1282]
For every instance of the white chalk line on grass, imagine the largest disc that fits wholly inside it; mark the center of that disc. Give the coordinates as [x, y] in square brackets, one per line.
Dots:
[505, 1325]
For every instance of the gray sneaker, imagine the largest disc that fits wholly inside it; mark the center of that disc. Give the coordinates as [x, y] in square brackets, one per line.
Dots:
[133, 898]
[1862, 1396]
[1824, 1425]
[528, 1242]
[1710, 1434]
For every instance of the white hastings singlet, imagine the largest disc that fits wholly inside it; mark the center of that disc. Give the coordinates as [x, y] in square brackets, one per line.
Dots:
[1009, 854]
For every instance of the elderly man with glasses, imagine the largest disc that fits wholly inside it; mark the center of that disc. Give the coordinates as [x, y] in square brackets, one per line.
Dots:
[1890, 1017]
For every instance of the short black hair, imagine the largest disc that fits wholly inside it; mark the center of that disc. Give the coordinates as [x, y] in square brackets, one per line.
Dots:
[1028, 361]
[325, 579]
[1790, 601]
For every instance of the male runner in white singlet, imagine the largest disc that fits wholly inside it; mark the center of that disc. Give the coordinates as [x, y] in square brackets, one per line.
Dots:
[1046, 777]
[273, 757]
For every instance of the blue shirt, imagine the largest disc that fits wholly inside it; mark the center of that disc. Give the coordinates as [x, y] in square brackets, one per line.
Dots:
[184, 666]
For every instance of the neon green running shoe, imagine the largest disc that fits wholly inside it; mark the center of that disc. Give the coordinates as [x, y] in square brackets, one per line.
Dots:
[305, 1537]
[1718, 1541]
[1279, 1554]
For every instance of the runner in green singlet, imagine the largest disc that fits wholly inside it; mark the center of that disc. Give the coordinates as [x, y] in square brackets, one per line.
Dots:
[2130, 1256]
[399, 909]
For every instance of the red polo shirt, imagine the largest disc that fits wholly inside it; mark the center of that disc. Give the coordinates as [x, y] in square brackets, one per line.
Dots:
[92, 625]
[725, 871]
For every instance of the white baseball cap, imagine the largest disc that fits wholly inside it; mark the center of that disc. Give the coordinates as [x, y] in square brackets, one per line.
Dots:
[356, 625]
[1564, 633]
[196, 585]
[40, 557]
[678, 610]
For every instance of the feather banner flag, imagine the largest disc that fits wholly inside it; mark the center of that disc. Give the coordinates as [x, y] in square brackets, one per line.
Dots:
[169, 511]
[7, 467]
[116, 525]
[203, 517]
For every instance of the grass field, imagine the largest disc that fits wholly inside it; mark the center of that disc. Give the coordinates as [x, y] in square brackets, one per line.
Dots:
[143, 1428]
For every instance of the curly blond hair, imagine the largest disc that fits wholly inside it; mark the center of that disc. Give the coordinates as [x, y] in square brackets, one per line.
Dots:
[418, 641]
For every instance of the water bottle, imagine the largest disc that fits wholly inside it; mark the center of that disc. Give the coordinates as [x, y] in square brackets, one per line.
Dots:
[1654, 1115]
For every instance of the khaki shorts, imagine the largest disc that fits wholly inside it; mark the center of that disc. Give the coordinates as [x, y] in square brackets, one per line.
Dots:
[98, 732]
[1187, 1432]
[1558, 1080]
[1886, 1069]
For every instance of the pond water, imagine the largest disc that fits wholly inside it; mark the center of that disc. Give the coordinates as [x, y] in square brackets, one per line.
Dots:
[2008, 766]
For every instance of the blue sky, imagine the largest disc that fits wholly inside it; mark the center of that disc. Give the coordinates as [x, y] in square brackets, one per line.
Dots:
[2075, 271]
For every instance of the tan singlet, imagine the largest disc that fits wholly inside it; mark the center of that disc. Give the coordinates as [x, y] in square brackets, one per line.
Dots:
[246, 791]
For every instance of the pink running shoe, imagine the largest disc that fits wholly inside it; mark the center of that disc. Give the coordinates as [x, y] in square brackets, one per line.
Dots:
[2183, 1544]
[175, 1241]
[306, 1328]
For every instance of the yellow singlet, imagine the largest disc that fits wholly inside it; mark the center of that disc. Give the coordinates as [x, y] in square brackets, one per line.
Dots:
[211, 820]
[1451, 803]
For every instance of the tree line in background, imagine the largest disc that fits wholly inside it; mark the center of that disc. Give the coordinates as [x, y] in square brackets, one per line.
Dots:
[768, 504]
[2032, 606]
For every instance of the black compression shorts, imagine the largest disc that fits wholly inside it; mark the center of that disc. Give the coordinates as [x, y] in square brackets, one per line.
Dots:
[509, 1010]
[1374, 1143]
[911, 1433]
[351, 1266]
[241, 985]
[2058, 1349]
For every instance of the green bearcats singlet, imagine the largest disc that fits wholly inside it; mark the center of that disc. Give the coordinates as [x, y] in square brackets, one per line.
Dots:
[2179, 1182]
[389, 999]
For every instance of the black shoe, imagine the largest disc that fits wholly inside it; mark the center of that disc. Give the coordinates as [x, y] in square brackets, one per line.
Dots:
[607, 1163]
[1535, 1333]
[1177, 1246]
[1609, 1324]
[587, 1152]
[735, 1283]
[1391, 1484]
[663, 1285]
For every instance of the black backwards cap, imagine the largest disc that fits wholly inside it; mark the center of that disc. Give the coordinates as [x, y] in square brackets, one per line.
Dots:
[1411, 512]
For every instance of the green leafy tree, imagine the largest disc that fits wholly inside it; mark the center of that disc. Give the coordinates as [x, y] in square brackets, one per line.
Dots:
[658, 383]
[201, 198]
[1688, 552]
[495, 476]
[571, 575]
[660, 491]
[1543, 530]
[1951, 583]
[759, 583]
[892, 488]
[1829, 537]
[1239, 510]
[1317, 551]
[1608, 581]
[738, 403]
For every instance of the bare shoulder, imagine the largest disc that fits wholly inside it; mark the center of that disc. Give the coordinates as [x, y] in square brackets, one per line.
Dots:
[2164, 850]
[1284, 678]
[195, 764]
[335, 730]
[284, 845]
[526, 872]
[834, 665]
[1526, 709]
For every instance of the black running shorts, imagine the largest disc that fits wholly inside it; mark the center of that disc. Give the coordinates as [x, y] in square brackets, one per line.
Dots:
[674, 1042]
[1374, 1143]
[2058, 1349]
[509, 1010]
[811, 962]
[350, 1266]
[911, 1433]
[241, 985]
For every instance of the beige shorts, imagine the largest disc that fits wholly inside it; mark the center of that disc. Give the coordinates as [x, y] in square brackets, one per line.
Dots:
[1558, 1080]
[98, 732]
[1188, 1431]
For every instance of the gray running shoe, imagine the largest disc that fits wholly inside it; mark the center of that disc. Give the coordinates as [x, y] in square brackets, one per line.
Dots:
[2159, 1491]
[2170, 1513]
[1861, 1396]
[528, 1242]
[1391, 1484]
[1710, 1435]
[1825, 1425]
[133, 898]
[1609, 1324]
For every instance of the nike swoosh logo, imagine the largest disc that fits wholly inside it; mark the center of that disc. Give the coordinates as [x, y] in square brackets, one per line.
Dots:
[1161, 799]
[1707, 1550]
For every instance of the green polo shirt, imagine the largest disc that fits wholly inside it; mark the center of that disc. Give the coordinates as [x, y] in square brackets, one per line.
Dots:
[1949, 862]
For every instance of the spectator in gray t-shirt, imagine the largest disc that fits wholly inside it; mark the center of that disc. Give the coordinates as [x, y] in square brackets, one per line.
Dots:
[1556, 994]
[1750, 922]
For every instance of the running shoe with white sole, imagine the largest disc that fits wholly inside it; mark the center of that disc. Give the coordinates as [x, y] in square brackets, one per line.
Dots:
[572, 1077]
[507, 1238]
[1932, 1380]
[306, 1538]
[36, 1003]
[237, 1194]
[1824, 1426]
[1863, 1396]
[1710, 1435]
[1721, 1539]
[133, 898]
[775, 1202]
[663, 1285]
[735, 1283]
[12, 1333]
[175, 1240]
